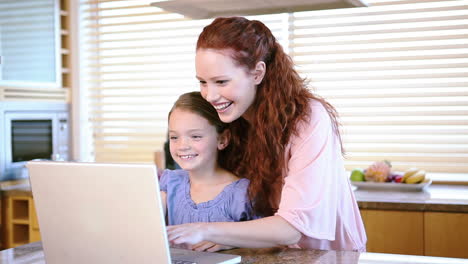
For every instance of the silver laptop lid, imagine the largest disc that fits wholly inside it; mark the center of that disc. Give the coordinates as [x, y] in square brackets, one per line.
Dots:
[99, 213]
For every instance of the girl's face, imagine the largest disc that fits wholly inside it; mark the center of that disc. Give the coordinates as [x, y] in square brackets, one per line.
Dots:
[193, 141]
[227, 86]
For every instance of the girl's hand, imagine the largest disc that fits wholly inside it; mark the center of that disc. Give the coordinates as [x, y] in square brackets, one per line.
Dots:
[209, 246]
[187, 233]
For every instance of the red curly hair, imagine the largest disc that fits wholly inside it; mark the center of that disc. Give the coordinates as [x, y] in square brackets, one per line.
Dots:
[281, 102]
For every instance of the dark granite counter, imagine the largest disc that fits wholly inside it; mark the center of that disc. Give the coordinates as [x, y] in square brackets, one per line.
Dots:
[33, 254]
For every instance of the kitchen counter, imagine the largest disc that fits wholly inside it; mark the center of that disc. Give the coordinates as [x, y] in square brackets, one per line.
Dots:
[15, 188]
[435, 214]
[436, 198]
[33, 254]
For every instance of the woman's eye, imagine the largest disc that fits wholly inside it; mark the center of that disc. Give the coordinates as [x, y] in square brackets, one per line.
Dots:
[221, 82]
[173, 138]
[196, 136]
[202, 83]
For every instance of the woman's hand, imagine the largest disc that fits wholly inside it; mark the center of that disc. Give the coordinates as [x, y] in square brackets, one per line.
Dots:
[209, 246]
[271, 231]
[192, 233]
[192, 236]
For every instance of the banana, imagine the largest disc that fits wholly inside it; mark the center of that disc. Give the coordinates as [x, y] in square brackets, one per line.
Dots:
[408, 173]
[416, 177]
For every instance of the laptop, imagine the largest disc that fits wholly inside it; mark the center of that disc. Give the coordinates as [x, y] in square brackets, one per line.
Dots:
[105, 213]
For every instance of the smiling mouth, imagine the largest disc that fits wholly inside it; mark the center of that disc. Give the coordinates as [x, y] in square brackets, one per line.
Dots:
[187, 157]
[222, 107]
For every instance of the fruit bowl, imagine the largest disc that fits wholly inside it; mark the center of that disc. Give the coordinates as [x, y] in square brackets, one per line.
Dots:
[392, 186]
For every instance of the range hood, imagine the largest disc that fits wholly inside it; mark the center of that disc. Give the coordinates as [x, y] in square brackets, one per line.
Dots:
[201, 9]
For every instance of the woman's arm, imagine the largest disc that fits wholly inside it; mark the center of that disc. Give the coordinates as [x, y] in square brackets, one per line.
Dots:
[265, 232]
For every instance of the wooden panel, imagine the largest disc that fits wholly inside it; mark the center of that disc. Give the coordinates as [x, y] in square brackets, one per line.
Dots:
[32, 213]
[15, 227]
[394, 232]
[5, 226]
[34, 236]
[446, 234]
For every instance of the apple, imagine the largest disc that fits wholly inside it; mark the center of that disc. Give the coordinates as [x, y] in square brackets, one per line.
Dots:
[357, 175]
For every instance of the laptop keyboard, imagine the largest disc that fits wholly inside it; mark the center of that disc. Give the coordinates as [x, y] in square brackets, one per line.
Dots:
[174, 261]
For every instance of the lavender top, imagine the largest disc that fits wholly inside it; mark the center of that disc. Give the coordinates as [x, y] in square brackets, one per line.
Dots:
[231, 205]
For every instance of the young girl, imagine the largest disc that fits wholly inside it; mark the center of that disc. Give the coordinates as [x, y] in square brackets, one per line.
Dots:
[290, 145]
[205, 190]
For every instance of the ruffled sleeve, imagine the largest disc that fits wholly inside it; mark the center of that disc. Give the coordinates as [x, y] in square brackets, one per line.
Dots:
[163, 180]
[172, 179]
[239, 204]
[309, 195]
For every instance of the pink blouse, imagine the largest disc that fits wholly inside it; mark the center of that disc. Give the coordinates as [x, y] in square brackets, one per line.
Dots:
[317, 198]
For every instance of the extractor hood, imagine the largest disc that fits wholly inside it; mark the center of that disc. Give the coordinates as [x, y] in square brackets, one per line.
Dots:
[201, 9]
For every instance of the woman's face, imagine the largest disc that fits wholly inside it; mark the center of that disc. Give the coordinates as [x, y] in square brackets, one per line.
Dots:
[227, 86]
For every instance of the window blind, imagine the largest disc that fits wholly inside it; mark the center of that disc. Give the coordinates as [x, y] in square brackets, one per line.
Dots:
[29, 50]
[396, 71]
[139, 60]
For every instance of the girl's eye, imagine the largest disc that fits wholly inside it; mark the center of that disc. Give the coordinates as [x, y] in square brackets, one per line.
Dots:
[202, 83]
[222, 82]
[173, 138]
[196, 137]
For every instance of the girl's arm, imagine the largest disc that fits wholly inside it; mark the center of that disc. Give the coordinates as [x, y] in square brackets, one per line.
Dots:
[164, 202]
[265, 232]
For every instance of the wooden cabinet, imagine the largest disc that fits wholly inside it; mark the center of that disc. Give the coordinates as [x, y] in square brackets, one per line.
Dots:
[35, 235]
[19, 223]
[446, 234]
[440, 234]
[396, 232]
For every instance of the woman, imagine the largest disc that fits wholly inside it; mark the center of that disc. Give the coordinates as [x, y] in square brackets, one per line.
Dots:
[290, 146]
